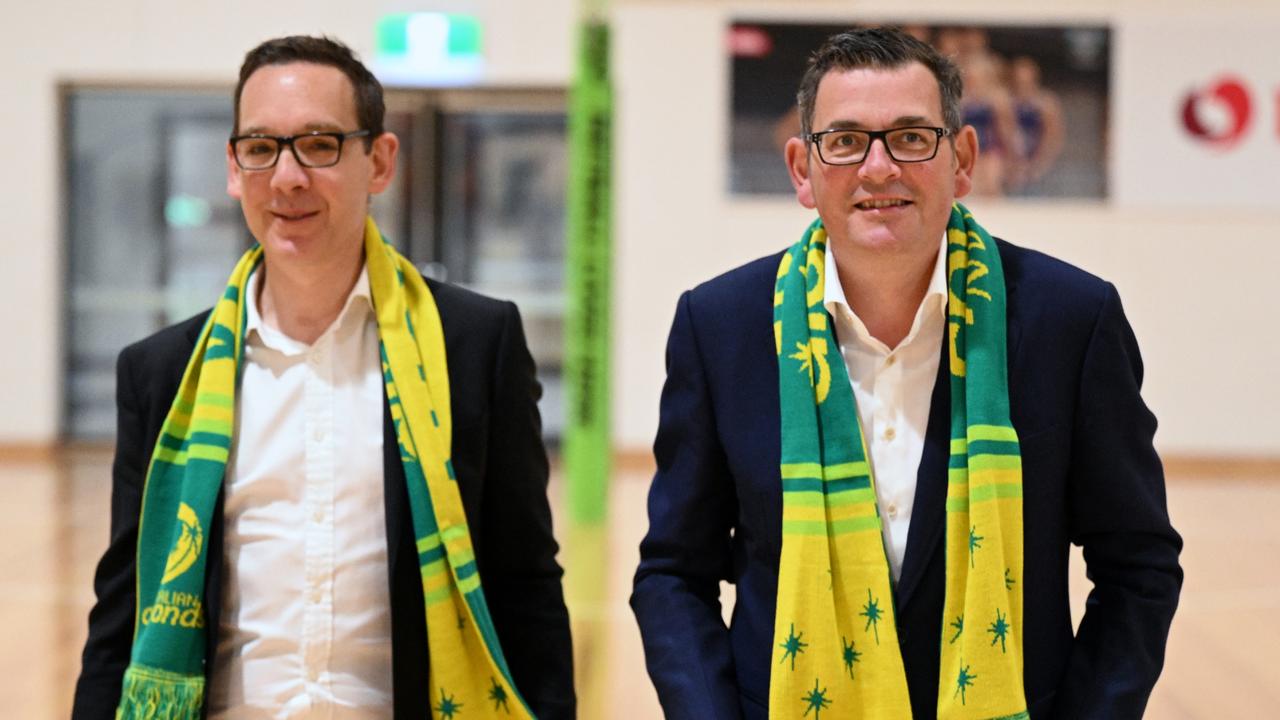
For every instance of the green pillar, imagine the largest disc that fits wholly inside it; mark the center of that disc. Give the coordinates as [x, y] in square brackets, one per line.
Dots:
[587, 442]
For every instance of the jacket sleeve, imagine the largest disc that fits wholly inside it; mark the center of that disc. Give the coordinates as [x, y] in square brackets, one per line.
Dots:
[1118, 515]
[522, 578]
[110, 641]
[687, 551]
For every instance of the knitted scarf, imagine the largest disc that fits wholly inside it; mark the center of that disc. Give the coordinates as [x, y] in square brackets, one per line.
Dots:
[836, 638]
[165, 677]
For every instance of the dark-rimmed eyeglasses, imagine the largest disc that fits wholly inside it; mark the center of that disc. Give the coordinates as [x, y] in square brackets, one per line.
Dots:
[904, 144]
[311, 150]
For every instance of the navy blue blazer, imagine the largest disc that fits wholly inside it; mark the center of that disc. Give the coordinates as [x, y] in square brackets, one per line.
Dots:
[1090, 477]
[501, 468]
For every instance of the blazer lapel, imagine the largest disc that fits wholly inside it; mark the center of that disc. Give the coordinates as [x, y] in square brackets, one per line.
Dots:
[394, 489]
[410, 661]
[928, 514]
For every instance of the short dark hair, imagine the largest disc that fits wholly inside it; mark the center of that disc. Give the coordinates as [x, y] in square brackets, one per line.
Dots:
[881, 48]
[370, 107]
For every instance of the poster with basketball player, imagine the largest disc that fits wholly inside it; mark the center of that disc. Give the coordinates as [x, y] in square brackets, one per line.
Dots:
[1038, 97]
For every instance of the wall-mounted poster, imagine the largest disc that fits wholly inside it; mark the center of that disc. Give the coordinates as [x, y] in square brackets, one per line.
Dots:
[1036, 95]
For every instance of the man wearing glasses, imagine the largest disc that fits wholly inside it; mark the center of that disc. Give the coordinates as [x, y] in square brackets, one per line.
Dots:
[329, 493]
[888, 436]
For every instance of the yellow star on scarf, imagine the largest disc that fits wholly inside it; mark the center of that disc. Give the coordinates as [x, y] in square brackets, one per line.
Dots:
[811, 354]
[804, 354]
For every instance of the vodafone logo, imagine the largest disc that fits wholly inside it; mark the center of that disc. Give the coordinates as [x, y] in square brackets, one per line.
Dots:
[1219, 114]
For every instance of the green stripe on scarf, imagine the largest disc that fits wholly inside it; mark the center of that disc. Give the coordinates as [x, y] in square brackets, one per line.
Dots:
[165, 678]
[836, 645]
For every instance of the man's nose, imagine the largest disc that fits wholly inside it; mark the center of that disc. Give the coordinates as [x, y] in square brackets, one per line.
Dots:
[288, 172]
[878, 166]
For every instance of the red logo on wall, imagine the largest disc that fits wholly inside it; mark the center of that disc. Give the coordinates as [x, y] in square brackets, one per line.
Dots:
[1219, 114]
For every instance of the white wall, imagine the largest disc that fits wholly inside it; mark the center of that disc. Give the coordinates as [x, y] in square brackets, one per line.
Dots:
[1194, 282]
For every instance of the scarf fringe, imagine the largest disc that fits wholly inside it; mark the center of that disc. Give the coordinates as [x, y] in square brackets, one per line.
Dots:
[151, 694]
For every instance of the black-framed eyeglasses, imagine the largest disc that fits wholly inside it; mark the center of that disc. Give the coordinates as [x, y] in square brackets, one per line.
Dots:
[311, 150]
[904, 144]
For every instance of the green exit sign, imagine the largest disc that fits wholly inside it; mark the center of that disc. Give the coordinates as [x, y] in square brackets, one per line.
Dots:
[430, 49]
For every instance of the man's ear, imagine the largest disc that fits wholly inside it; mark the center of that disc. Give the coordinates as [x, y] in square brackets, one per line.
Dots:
[796, 153]
[966, 149]
[233, 174]
[383, 157]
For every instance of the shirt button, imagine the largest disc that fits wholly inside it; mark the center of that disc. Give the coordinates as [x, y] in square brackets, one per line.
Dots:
[889, 361]
[318, 434]
[315, 594]
[318, 516]
[890, 434]
[892, 511]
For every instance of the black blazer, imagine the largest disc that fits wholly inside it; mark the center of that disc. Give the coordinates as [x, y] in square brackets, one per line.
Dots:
[1090, 477]
[501, 468]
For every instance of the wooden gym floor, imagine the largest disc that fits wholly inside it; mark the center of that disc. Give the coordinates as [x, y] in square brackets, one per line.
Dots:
[1223, 658]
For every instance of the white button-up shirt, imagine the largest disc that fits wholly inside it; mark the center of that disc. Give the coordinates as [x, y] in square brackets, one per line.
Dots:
[305, 626]
[893, 388]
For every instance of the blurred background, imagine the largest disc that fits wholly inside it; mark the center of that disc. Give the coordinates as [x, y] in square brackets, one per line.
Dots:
[1137, 139]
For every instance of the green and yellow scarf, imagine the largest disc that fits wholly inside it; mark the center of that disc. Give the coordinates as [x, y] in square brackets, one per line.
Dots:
[836, 641]
[165, 678]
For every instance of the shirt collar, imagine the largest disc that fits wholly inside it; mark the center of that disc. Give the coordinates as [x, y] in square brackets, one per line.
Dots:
[935, 296]
[257, 331]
